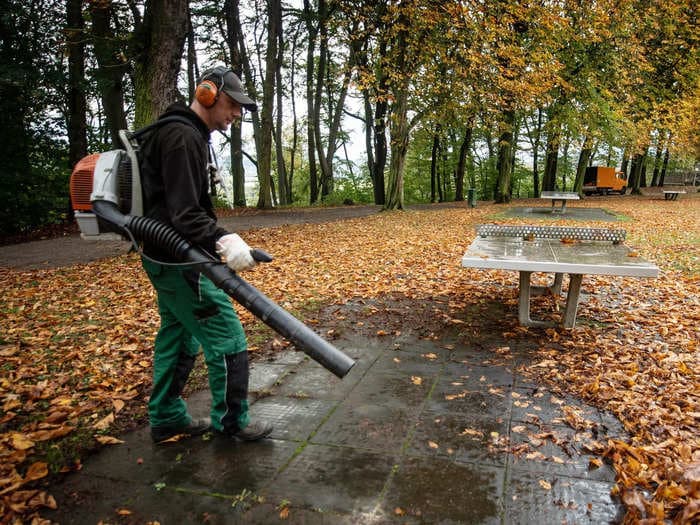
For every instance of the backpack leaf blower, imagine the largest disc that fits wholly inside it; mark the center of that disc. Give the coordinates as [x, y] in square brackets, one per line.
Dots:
[106, 194]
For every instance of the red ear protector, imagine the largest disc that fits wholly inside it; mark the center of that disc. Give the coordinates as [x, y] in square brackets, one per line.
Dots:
[207, 91]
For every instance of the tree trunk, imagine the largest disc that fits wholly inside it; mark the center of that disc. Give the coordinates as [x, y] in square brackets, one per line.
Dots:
[625, 163]
[312, 116]
[335, 110]
[379, 122]
[513, 151]
[399, 146]
[549, 178]
[295, 132]
[158, 43]
[662, 178]
[380, 151]
[318, 90]
[583, 158]
[398, 121]
[434, 155]
[440, 174]
[636, 172]
[233, 38]
[462, 163]
[565, 161]
[657, 162]
[282, 183]
[487, 181]
[334, 128]
[642, 182]
[369, 138]
[110, 71]
[77, 130]
[535, 155]
[551, 159]
[192, 66]
[265, 151]
[502, 191]
[17, 177]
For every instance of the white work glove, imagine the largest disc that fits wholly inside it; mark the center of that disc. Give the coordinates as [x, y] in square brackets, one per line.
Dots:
[235, 252]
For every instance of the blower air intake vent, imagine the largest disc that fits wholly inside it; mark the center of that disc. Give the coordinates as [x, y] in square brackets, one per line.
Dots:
[125, 184]
[81, 182]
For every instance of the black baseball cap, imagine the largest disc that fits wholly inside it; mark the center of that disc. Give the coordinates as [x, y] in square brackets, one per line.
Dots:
[228, 82]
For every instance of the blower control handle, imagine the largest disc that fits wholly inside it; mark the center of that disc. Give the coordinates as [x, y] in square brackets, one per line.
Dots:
[260, 255]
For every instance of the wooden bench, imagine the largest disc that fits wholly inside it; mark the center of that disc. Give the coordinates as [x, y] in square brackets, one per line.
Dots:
[671, 191]
[676, 181]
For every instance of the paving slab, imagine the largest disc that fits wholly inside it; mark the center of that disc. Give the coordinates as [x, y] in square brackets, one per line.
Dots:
[437, 490]
[574, 213]
[425, 431]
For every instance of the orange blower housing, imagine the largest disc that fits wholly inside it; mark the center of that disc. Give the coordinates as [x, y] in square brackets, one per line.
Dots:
[81, 182]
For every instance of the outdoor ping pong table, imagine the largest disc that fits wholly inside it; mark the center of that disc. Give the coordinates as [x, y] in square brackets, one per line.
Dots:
[562, 196]
[557, 250]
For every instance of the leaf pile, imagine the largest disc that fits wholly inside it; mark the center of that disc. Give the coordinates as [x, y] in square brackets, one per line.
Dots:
[75, 343]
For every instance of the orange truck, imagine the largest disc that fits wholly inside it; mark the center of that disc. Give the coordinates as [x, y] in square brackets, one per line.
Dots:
[604, 180]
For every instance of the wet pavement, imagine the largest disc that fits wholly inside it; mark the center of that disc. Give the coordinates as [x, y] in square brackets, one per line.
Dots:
[419, 431]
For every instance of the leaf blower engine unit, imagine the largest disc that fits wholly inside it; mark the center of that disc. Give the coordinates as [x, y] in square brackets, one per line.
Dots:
[106, 194]
[107, 180]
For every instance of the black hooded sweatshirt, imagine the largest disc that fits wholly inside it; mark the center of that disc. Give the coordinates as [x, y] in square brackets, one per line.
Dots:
[175, 181]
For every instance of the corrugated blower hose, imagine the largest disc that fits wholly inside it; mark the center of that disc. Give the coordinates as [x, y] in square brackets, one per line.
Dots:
[106, 195]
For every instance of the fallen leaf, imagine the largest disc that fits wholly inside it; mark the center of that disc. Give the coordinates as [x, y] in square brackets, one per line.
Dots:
[104, 423]
[472, 432]
[545, 484]
[20, 441]
[108, 440]
[36, 471]
[594, 463]
[8, 350]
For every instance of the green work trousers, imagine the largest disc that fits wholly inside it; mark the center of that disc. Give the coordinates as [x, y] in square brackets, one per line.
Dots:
[194, 312]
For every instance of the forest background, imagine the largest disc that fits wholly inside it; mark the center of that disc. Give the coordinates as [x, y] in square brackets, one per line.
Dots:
[504, 98]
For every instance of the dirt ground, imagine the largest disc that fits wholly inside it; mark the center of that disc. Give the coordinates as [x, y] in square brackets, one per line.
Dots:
[71, 249]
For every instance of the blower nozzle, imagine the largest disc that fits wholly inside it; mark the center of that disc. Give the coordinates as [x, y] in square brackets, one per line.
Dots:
[276, 317]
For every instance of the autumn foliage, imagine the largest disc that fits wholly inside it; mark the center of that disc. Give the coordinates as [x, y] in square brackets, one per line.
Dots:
[76, 342]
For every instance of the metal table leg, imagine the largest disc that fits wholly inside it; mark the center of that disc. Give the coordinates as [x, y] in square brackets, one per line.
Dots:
[554, 288]
[572, 300]
[525, 290]
[524, 302]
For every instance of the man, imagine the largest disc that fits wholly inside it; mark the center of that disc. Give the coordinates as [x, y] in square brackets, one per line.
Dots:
[193, 312]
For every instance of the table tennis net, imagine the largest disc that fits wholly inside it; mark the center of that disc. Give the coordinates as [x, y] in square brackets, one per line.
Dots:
[551, 232]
